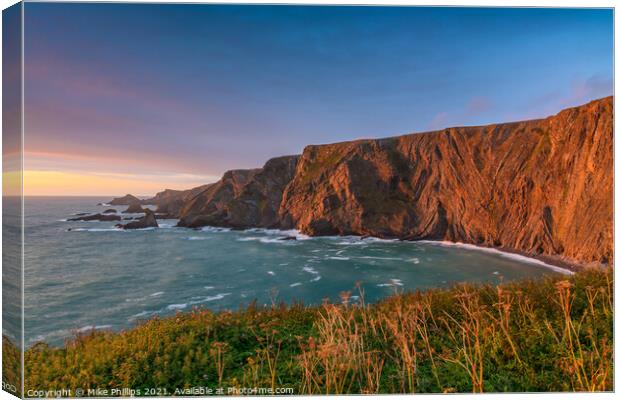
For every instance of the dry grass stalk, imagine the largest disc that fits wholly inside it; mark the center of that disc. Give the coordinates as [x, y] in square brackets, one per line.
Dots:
[467, 337]
[218, 349]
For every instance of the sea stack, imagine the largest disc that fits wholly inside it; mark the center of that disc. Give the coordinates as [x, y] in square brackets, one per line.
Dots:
[148, 221]
[126, 200]
[134, 208]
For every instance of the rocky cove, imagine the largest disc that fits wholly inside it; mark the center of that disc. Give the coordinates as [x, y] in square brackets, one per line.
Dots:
[115, 278]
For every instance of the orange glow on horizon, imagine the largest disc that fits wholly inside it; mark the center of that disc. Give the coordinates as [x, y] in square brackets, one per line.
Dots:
[57, 183]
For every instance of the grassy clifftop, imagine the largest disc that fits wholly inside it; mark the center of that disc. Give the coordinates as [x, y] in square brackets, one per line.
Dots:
[547, 335]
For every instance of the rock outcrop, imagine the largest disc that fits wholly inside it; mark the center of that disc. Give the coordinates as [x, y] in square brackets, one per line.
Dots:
[134, 208]
[148, 221]
[542, 187]
[96, 217]
[242, 198]
[169, 202]
[126, 200]
[110, 211]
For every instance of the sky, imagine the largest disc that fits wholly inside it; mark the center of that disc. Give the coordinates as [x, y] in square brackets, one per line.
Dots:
[136, 98]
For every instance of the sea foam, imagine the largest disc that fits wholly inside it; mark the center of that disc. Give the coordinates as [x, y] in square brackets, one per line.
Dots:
[98, 230]
[278, 232]
[214, 229]
[89, 328]
[207, 299]
[505, 254]
[177, 306]
[198, 238]
[311, 270]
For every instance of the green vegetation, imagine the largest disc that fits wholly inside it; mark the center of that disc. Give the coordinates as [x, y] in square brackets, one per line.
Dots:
[11, 366]
[553, 334]
[542, 149]
[325, 160]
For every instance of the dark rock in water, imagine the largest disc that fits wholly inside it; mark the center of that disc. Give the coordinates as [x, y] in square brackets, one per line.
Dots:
[96, 217]
[287, 238]
[128, 218]
[148, 221]
[134, 208]
[126, 200]
[80, 214]
[110, 211]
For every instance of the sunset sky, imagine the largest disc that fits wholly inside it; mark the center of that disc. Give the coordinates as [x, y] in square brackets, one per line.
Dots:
[137, 98]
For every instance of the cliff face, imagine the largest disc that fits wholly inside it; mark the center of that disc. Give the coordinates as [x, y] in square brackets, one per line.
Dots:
[242, 198]
[171, 201]
[542, 187]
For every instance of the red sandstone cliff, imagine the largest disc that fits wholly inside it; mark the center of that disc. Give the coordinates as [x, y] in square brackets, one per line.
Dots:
[242, 198]
[539, 187]
[171, 201]
[542, 187]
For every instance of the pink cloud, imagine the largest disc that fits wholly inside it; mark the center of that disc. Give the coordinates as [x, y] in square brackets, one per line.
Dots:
[439, 121]
[478, 105]
[90, 83]
[584, 90]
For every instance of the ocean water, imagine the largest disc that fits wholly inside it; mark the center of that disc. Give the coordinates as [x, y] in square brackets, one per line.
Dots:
[95, 276]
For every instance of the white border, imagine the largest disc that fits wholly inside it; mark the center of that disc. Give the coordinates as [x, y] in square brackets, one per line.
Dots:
[482, 3]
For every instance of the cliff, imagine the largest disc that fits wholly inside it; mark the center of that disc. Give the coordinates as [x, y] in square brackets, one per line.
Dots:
[242, 198]
[171, 201]
[542, 188]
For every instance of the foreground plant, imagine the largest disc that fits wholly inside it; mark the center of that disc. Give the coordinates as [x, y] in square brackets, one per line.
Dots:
[553, 334]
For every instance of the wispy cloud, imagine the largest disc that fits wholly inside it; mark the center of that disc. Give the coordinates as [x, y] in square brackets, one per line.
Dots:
[478, 105]
[583, 90]
[579, 91]
[462, 114]
[439, 121]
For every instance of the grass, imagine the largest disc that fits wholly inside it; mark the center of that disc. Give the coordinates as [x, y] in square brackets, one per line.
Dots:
[553, 334]
[11, 367]
[323, 161]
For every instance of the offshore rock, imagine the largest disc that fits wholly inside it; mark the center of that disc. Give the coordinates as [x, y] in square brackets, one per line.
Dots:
[126, 200]
[148, 221]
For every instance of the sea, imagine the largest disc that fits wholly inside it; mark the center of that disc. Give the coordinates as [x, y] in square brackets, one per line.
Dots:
[84, 276]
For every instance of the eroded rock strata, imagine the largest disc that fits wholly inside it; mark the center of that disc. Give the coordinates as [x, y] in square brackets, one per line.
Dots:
[170, 202]
[541, 187]
[242, 198]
